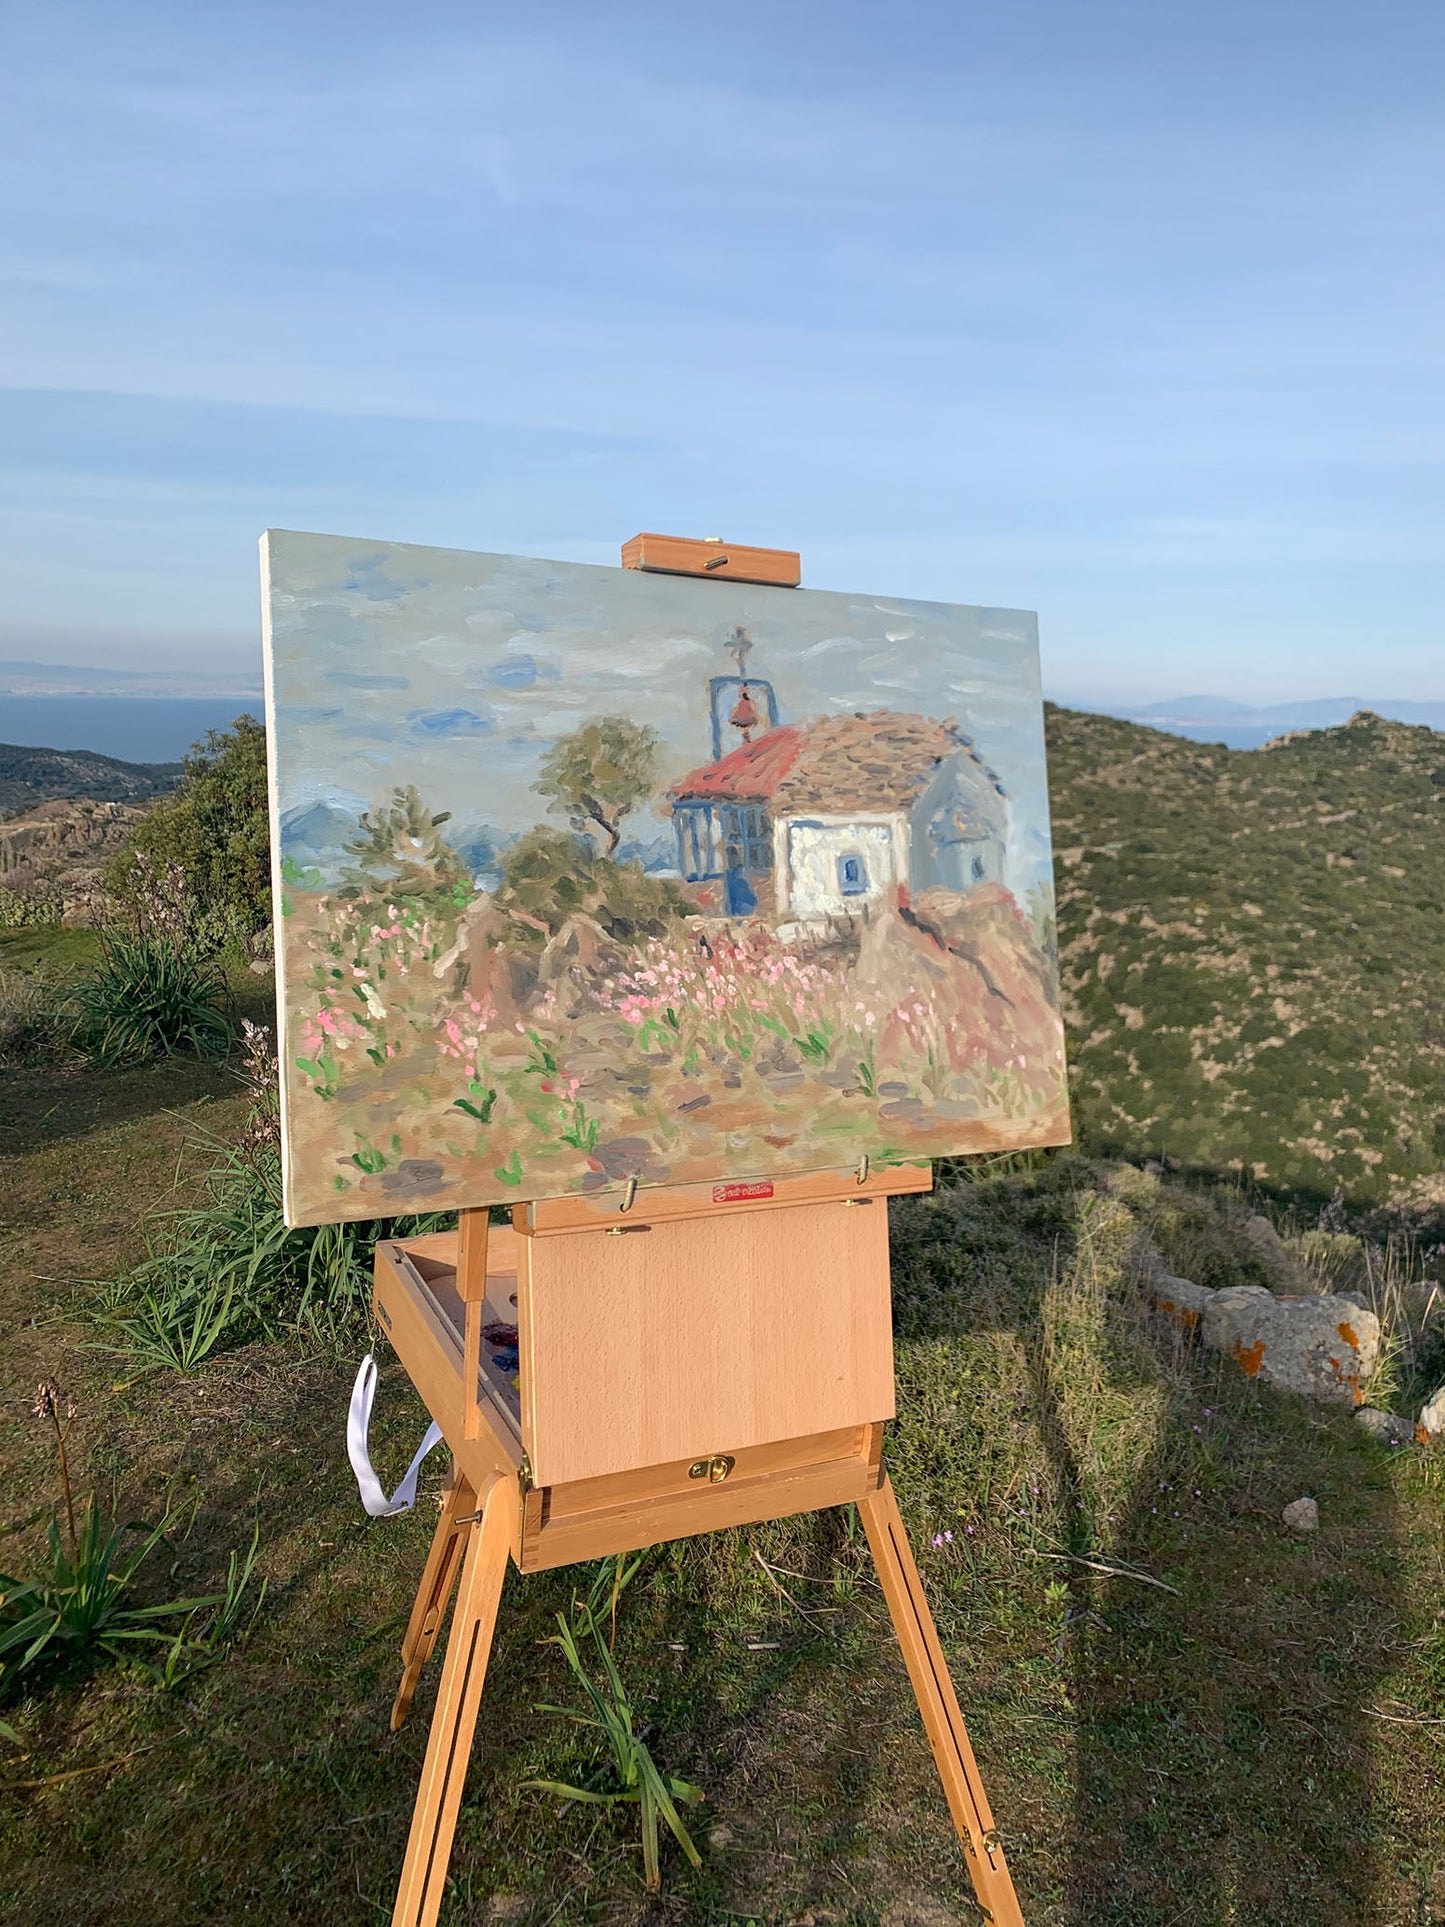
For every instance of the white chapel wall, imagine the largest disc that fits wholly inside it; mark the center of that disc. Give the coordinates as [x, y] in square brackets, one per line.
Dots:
[808, 851]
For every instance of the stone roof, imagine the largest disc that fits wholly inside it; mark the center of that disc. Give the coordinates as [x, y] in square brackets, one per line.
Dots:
[878, 760]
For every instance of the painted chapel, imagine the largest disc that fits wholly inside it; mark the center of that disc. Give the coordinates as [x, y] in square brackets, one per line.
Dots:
[809, 823]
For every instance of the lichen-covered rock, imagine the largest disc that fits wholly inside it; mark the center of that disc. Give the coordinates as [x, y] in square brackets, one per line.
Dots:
[1181, 1302]
[1273, 1256]
[1432, 1417]
[1322, 1346]
[1384, 1427]
[1302, 1515]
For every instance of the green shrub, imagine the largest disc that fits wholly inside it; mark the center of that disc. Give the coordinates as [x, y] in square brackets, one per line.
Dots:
[216, 830]
[607, 1710]
[400, 851]
[549, 876]
[79, 1606]
[23, 909]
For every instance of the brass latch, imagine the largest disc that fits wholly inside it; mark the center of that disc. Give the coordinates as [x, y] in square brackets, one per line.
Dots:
[714, 1470]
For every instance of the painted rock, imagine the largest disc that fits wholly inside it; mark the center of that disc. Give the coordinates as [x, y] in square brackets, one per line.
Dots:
[1322, 1347]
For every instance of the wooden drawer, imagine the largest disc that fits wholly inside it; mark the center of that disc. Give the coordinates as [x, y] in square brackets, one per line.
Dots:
[590, 1518]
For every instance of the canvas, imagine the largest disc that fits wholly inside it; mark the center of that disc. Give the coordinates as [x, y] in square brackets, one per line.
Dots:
[586, 874]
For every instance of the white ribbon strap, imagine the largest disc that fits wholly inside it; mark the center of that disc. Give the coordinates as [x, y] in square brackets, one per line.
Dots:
[358, 1424]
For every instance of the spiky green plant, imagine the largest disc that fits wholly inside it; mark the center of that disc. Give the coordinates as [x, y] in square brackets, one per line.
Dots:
[609, 1711]
[80, 1604]
[149, 999]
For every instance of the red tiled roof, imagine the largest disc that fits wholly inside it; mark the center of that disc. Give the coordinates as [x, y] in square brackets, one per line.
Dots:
[748, 774]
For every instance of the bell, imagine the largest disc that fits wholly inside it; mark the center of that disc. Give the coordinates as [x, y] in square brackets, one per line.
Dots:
[744, 715]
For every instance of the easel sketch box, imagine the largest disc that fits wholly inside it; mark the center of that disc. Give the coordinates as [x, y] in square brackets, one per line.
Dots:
[593, 874]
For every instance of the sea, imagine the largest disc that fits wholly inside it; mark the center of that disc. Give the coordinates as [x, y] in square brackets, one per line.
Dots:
[160, 729]
[138, 729]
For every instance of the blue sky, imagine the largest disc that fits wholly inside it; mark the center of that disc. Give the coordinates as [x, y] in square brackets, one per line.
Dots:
[1127, 313]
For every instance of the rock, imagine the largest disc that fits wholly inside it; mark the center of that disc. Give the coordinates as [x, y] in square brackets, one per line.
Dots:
[1278, 1263]
[1384, 1427]
[973, 958]
[576, 961]
[720, 1838]
[1321, 1346]
[1183, 1303]
[1302, 1515]
[489, 960]
[54, 836]
[1432, 1416]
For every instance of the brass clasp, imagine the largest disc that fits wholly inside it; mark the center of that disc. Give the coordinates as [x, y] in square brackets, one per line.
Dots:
[714, 1470]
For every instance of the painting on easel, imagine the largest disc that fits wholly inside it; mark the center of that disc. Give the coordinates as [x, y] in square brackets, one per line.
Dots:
[588, 874]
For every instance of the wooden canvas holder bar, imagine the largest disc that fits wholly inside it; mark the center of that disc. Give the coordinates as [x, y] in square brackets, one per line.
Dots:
[689, 1357]
[718, 560]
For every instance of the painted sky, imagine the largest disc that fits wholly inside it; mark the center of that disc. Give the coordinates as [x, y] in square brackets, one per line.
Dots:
[458, 671]
[1127, 312]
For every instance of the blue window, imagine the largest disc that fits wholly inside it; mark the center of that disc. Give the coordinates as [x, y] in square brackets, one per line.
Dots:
[852, 876]
[693, 824]
[748, 826]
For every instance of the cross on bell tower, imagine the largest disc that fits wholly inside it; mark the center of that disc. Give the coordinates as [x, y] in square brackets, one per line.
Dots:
[755, 706]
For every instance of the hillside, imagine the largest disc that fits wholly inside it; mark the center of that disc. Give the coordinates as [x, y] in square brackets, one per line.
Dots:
[31, 776]
[1253, 946]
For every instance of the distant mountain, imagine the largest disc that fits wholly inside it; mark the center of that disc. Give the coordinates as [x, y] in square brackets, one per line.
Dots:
[315, 836]
[316, 830]
[1195, 713]
[657, 854]
[72, 679]
[1253, 949]
[31, 776]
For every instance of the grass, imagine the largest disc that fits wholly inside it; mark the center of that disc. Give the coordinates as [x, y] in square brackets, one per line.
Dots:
[1245, 1747]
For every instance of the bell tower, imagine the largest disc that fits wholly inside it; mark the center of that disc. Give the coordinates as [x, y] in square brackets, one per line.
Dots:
[754, 699]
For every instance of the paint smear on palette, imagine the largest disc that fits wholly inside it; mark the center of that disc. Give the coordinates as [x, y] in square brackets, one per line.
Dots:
[586, 875]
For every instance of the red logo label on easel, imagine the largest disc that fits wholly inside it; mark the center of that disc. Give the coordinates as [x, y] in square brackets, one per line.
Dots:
[735, 1193]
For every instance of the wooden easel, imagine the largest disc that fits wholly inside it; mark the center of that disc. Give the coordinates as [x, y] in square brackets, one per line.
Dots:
[690, 1357]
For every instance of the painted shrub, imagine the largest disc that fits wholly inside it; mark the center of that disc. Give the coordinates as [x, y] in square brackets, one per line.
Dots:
[584, 874]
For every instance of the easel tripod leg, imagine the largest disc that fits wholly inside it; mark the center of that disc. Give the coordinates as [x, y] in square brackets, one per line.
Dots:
[937, 1702]
[438, 1578]
[434, 1820]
